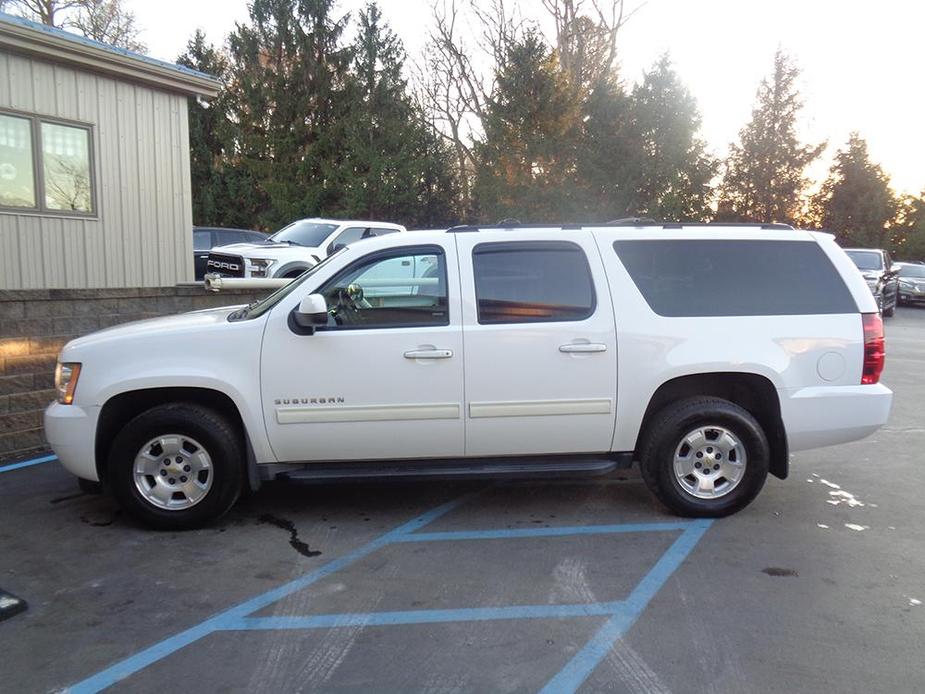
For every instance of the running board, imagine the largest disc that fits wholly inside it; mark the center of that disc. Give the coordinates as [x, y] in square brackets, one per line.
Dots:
[498, 468]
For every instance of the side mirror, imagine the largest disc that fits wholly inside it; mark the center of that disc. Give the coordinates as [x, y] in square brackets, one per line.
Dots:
[338, 246]
[311, 313]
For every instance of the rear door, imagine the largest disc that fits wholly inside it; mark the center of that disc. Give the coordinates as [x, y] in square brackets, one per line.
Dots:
[540, 349]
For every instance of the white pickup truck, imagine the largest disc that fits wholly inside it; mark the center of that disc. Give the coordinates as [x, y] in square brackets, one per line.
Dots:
[289, 252]
[704, 353]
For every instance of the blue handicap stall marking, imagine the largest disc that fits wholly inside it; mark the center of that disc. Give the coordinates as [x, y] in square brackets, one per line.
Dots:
[28, 463]
[620, 614]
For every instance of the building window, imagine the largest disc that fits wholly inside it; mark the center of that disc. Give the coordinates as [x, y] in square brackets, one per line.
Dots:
[45, 166]
[17, 178]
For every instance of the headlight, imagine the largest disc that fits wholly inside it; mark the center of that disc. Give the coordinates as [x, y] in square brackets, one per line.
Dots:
[66, 376]
[905, 285]
[259, 266]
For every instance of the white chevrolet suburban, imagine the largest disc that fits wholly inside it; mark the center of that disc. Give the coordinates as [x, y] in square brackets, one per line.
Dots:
[704, 353]
[293, 249]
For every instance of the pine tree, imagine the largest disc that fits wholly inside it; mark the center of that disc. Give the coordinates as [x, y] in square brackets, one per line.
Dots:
[393, 161]
[609, 163]
[286, 97]
[223, 192]
[856, 202]
[764, 177]
[527, 160]
[675, 170]
[910, 236]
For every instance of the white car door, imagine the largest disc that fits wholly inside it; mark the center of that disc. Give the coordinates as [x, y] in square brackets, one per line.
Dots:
[384, 379]
[540, 360]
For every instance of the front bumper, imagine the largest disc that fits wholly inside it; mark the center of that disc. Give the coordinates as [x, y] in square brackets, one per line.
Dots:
[828, 415]
[910, 295]
[71, 433]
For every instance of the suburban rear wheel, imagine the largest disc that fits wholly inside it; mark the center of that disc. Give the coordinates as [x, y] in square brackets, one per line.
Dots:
[704, 457]
[177, 465]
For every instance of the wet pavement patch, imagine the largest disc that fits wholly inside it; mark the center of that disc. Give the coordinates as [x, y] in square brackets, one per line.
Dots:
[100, 520]
[778, 571]
[10, 605]
[294, 541]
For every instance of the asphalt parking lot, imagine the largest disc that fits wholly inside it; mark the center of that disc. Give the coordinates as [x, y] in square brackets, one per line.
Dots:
[529, 586]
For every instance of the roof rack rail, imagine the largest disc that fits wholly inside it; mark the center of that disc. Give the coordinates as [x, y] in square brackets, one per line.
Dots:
[631, 222]
[624, 222]
[509, 224]
[753, 225]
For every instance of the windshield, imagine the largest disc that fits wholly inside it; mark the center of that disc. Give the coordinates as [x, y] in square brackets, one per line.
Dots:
[866, 260]
[258, 308]
[304, 233]
[912, 271]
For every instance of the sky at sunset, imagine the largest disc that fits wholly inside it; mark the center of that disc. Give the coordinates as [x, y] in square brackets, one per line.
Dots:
[862, 62]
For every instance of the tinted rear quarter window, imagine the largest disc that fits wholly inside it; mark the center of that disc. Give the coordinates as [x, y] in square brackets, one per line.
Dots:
[532, 282]
[735, 278]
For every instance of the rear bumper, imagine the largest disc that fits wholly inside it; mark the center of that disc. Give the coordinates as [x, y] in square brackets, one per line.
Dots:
[829, 415]
[71, 433]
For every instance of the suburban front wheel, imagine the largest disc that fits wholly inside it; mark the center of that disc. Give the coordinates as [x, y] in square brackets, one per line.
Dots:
[704, 457]
[177, 466]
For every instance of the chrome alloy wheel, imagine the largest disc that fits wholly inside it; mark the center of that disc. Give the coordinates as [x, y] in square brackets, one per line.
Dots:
[709, 462]
[173, 472]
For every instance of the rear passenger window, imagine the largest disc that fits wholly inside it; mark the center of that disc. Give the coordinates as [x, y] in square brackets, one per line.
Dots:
[532, 282]
[735, 278]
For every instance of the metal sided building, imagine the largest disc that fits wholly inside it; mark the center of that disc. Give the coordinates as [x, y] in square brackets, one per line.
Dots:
[94, 163]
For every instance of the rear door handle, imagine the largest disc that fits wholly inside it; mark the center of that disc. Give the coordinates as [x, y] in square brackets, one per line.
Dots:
[429, 354]
[583, 347]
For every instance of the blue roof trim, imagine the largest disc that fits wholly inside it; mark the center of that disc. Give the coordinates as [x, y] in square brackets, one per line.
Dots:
[76, 38]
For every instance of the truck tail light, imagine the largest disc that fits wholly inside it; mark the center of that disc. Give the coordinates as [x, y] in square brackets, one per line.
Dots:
[874, 350]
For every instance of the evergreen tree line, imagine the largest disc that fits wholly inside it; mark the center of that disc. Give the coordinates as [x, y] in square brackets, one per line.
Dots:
[313, 123]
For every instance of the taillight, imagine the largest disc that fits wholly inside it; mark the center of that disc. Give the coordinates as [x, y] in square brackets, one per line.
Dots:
[874, 352]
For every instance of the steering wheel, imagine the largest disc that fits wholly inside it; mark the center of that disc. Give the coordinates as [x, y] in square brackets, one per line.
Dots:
[350, 299]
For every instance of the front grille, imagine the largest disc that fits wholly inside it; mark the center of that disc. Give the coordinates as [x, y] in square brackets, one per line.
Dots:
[225, 265]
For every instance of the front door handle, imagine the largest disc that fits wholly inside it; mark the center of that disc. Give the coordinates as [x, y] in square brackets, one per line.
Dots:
[429, 354]
[583, 347]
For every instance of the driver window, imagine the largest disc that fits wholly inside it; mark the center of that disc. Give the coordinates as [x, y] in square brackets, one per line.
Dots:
[389, 291]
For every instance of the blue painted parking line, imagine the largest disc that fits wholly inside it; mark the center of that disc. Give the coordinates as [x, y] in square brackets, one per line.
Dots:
[464, 614]
[158, 651]
[556, 531]
[28, 463]
[620, 615]
[577, 670]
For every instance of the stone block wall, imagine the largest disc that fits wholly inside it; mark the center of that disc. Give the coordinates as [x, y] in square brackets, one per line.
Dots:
[35, 325]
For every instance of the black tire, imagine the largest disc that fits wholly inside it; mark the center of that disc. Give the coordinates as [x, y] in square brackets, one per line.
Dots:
[221, 439]
[292, 274]
[665, 434]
